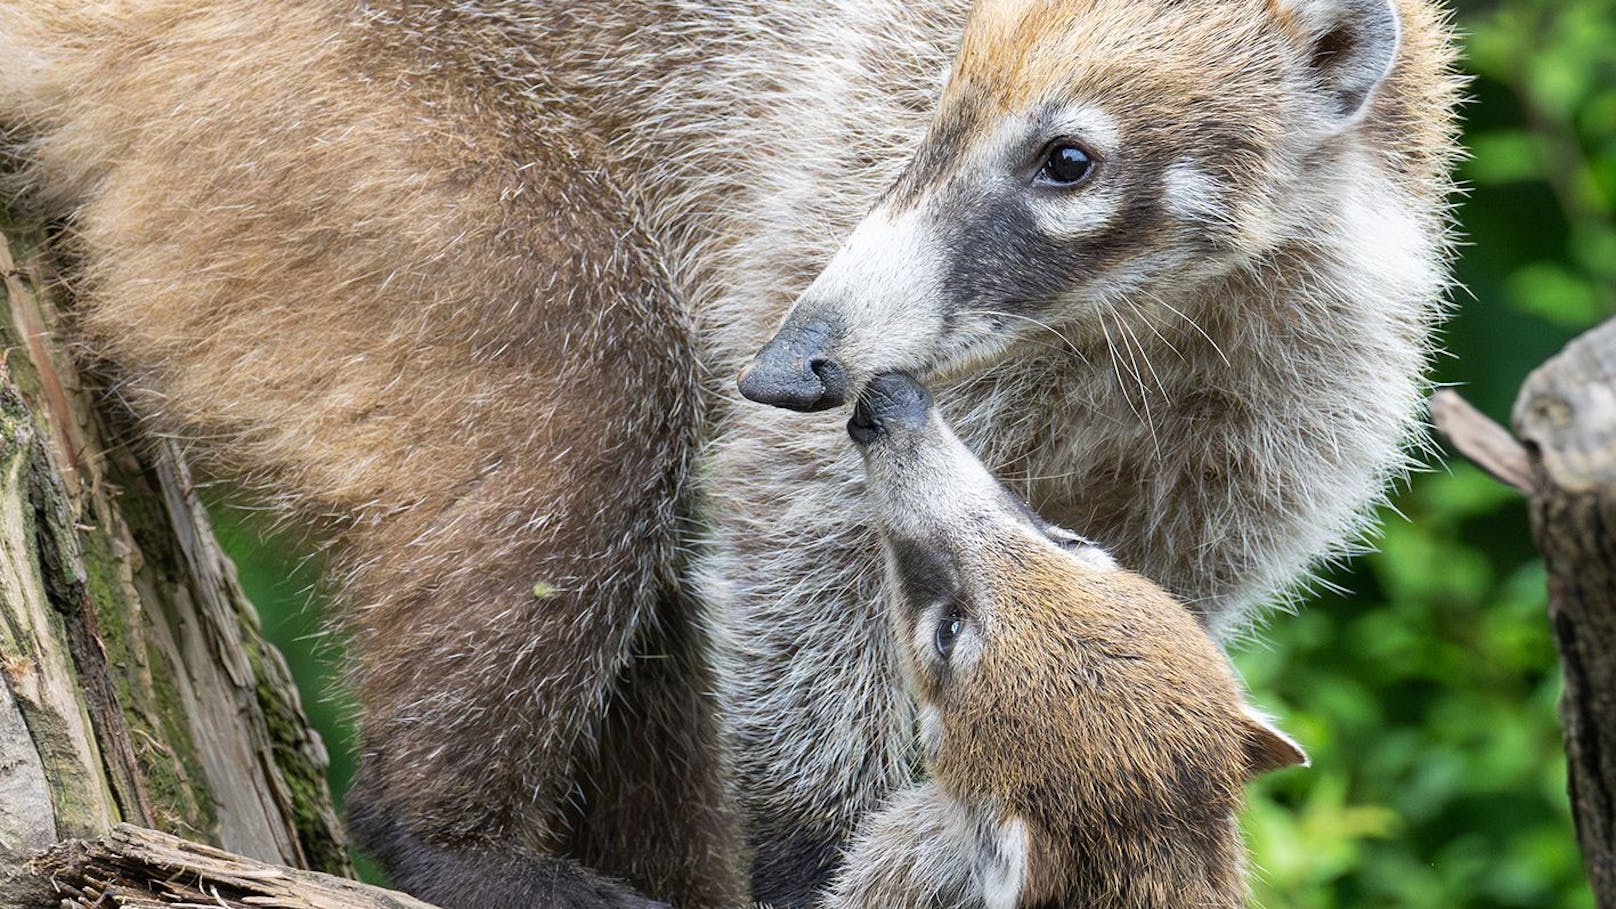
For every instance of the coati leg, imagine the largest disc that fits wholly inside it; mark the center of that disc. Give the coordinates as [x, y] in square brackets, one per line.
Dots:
[641, 793]
[365, 284]
[821, 733]
[482, 872]
[470, 788]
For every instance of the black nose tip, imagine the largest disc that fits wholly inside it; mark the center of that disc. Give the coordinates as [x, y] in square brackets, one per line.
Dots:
[796, 371]
[891, 402]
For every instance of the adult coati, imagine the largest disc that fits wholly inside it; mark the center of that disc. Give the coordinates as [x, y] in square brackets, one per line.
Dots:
[468, 282]
[1085, 742]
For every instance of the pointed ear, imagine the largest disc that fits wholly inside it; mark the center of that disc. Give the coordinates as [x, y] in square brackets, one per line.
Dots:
[1268, 749]
[1351, 46]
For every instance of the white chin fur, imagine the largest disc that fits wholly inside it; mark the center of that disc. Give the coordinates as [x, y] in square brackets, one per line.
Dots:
[1002, 864]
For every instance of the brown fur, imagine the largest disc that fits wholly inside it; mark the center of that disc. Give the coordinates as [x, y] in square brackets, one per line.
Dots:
[1084, 724]
[1102, 714]
[364, 303]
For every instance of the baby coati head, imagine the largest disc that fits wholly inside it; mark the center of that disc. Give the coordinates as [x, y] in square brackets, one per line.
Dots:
[1071, 707]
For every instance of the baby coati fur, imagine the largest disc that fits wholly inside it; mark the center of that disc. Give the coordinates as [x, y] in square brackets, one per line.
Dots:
[1085, 741]
[466, 285]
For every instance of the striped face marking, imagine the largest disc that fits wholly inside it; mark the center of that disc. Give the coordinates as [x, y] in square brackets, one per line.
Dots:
[1087, 154]
[1010, 213]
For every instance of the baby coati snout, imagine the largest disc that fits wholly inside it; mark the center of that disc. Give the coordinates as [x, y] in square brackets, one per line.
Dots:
[1086, 743]
[890, 403]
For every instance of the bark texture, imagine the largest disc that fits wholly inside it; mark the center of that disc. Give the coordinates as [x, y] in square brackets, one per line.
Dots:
[135, 685]
[1562, 455]
[133, 868]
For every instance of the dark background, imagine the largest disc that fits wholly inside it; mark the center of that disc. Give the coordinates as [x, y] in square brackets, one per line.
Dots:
[1422, 678]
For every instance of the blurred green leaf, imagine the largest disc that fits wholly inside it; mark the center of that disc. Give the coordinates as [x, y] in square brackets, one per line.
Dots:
[1556, 293]
[1505, 155]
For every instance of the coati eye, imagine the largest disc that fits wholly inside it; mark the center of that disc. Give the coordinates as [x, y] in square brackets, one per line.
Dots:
[948, 632]
[1066, 164]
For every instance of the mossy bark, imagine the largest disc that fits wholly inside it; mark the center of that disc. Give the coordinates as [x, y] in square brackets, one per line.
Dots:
[135, 685]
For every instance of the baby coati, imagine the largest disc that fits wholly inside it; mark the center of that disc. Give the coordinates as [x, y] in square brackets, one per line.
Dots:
[1085, 741]
[465, 284]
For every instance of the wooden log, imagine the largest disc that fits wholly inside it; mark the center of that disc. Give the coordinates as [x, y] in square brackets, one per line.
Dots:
[135, 868]
[1562, 455]
[135, 684]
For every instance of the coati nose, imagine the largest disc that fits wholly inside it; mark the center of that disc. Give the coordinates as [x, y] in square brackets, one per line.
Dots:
[891, 402]
[795, 370]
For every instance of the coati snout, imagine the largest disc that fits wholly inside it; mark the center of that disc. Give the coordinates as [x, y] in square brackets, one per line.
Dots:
[797, 370]
[890, 402]
[1077, 721]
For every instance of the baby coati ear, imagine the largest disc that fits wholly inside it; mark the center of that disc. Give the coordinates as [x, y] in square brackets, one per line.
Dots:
[1352, 46]
[1268, 749]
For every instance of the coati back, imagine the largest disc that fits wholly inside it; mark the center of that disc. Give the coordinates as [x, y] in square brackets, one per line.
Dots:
[1085, 741]
[466, 283]
[367, 282]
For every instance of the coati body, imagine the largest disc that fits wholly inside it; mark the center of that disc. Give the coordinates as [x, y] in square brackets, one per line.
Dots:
[467, 284]
[1085, 741]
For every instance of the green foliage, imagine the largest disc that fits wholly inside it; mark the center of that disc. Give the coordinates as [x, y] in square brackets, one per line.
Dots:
[1426, 694]
[283, 584]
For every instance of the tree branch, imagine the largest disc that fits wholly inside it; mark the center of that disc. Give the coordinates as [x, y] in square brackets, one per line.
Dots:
[135, 683]
[1563, 456]
[1483, 441]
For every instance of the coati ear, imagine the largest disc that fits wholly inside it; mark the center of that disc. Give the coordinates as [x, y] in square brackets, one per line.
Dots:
[1351, 46]
[1268, 749]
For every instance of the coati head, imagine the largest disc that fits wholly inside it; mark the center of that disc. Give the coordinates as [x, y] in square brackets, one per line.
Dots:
[1069, 705]
[1086, 152]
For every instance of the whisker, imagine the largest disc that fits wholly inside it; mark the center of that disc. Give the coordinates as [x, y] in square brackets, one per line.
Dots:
[1139, 379]
[1144, 355]
[999, 313]
[1111, 346]
[1199, 330]
[1150, 323]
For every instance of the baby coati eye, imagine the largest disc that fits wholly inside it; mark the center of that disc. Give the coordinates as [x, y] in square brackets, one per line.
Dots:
[1066, 164]
[948, 632]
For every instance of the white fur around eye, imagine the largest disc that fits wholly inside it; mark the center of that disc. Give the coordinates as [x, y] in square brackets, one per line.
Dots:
[924, 633]
[1096, 128]
[929, 722]
[1082, 210]
[1076, 213]
[1192, 193]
